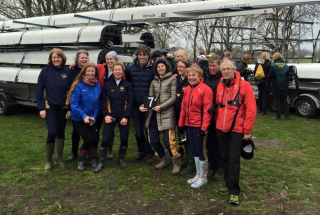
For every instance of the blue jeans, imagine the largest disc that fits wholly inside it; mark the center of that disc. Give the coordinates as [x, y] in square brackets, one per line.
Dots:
[139, 120]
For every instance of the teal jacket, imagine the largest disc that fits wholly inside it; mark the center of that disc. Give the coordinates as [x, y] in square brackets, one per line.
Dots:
[279, 75]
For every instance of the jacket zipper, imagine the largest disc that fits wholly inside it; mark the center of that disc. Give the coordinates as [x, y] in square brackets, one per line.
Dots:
[225, 112]
[189, 105]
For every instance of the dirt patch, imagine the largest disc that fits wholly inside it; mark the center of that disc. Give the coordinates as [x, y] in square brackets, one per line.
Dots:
[268, 143]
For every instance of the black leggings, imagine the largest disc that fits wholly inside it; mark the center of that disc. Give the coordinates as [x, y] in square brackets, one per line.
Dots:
[56, 123]
[89, 134]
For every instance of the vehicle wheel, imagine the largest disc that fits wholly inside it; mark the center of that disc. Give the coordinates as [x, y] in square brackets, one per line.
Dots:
[3, 106]
[272, 104]
[306, 107]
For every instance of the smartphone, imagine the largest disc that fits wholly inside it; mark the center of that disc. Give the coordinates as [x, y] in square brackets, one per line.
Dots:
[92, 121]
[113, 119]
[183, 136]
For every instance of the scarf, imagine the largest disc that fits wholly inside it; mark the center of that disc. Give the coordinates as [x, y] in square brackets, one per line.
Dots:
[89, 82]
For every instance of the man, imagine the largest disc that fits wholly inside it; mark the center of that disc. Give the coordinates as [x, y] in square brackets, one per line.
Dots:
[180, 54]
[214, 158]
[140, 74]
[235, 116]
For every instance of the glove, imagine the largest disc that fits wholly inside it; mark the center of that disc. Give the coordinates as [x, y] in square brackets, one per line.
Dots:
[212, 109]
[181, 130]
[202, 133]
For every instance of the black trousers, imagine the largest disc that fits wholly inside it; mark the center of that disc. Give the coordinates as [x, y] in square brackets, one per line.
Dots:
[280, 97]
[89, 134]
[214, 157]
[230, 149]
[108, 132]
[264, 93]
[56, 123]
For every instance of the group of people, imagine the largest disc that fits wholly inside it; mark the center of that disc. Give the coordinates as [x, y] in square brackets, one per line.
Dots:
[215, 109]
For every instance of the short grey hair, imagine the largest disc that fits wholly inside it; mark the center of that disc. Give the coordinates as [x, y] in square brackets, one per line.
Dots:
[80, 52]
[233, 65]
[181, 50]
[215, 58]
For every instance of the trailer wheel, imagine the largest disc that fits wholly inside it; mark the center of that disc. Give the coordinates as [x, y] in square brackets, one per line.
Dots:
[306, 107]
[3, 106]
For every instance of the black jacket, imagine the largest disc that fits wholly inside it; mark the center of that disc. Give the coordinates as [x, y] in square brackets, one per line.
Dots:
[117, 98]
[212, 81]
[242, 69]
[181, 85]
[266, 68]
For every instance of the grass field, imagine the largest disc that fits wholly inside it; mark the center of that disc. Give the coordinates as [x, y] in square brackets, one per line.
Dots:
[283, 177]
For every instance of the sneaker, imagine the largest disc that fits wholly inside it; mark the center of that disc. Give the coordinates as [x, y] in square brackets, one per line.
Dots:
[234, 199]
[223, 190]
[139, 157]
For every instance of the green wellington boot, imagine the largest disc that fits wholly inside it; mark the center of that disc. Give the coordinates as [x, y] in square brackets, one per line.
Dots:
[49, 153]
[191, 168]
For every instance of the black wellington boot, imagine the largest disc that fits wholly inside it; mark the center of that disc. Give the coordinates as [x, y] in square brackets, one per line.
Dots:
[103, 153]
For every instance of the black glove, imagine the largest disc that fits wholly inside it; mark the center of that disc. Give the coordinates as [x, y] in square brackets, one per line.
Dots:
[202, 133]
[212, 109]
[181, 130]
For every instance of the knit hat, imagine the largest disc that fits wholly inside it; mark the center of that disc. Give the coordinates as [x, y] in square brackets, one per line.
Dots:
[113, 54]
[161, 60]
[201, 57]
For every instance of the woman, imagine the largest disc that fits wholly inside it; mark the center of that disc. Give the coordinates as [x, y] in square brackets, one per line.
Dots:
[81, 60]
[105, 75]
[243, 66]
[263, 88]
[116, 107]
[182, 83]
[227, 55]
[85, 102]
[279, 78]
[194, 118]
[53, 84]
[162, 116]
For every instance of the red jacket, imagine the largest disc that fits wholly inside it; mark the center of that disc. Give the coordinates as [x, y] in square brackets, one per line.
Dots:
[194, 107]
[225, 113]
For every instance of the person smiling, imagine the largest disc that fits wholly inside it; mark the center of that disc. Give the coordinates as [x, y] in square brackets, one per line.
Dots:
[80, 61]
[53, 84]
[162, 116]
[194, 118]
[116, 107]
[85, 103]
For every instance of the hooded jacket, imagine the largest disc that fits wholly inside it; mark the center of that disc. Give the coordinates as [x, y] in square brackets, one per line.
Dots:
[164, 90]
[140, 78]
[225, 112]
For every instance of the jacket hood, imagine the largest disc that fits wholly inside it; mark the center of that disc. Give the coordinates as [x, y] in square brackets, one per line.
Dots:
[165, 62]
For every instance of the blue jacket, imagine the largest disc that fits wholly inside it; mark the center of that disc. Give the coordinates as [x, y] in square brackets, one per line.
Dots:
[52, 87]
[117, 98]
[85, 101]
[140, 78]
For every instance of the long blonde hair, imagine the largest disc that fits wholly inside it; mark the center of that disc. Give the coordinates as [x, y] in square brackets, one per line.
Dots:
[79, 78]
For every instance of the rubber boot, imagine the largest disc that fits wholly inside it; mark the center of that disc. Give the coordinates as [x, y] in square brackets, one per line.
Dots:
[192, 180]
[49, 153]
[176, 165]
[93, 156]
[103, 153]
[202, 180]
[74, 146]
[81, 159]
[109, 149]
[163, 163]
[190, 162]
[60, 146]
[122, 153]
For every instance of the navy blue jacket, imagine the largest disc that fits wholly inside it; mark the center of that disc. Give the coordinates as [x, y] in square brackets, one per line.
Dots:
[181, 85]
[85, 101]
[75, 71]
[140, 78]
[52, 87]
[117, 98]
